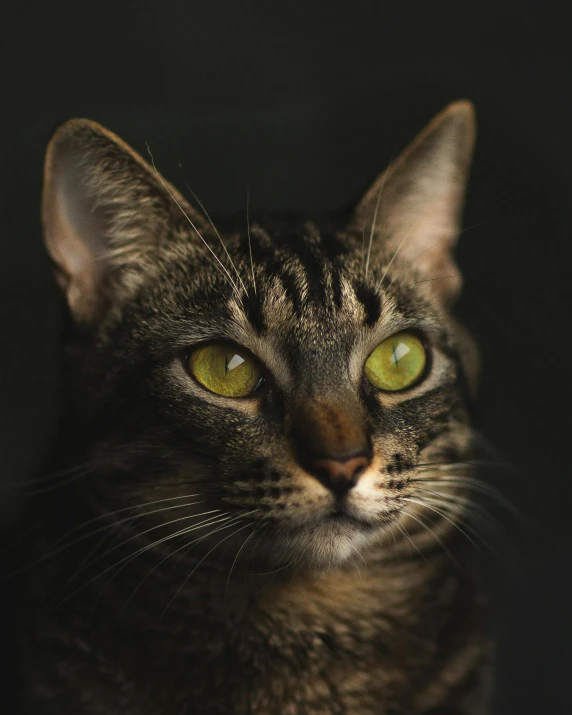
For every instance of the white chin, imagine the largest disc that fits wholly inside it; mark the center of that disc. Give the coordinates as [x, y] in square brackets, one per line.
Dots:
[325, 545]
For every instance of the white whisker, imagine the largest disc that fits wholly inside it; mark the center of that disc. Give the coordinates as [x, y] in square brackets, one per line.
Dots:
[236, 558]
[404, 531]
[417, 518]
[127, 559]
[249, 238]
[155, 543]
[204, 557]
[373, 223]
[196, 198]
[172, 553]
[196, 230]
[396, 253]
[55, 550]
[424, 504]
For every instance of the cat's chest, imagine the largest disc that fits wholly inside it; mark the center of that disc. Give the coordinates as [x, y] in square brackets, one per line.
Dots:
[320, 648]
[262, 665]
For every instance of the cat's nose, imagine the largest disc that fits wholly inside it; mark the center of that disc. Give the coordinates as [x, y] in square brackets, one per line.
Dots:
[340, 474]
[331, 441]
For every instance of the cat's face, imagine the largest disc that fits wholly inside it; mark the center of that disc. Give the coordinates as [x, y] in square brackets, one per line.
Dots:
[281, 385]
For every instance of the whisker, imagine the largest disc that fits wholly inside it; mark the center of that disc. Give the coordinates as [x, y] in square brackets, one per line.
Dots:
[275, 571]
[373, 223]
[248, 234]
[358, 552]
[417, 518]
[236, 517]
[201, 561]
[111, 514]
[474, 485]
[217, 259]
[78, 472]
[154, 528]
[424, 503]
[486, 445]
[355, 563]
[86, 562]
[454, 498]
[90, 534]
[196, 198]
[435, 244]
[262, 529]
[212, 522]
[130, 557]
[227, 518]
[396, 253]
[480, 517]
[429, 280]
[465, 463]
[236, 558]
[404, 531]
[468, 505]
[122, 529]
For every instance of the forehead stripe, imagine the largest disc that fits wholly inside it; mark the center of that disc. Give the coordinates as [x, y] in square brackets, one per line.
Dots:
[370, 301]
[252, 306]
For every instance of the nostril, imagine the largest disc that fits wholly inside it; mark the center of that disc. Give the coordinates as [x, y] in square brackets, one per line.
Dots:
[340, 472]
[359, 466]
[320, 471]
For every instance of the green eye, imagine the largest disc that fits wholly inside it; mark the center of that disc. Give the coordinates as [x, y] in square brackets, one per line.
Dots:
[396, 363]
[224, 369]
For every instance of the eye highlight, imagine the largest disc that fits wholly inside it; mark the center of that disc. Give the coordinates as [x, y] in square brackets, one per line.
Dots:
[396, 363]
[224, 369]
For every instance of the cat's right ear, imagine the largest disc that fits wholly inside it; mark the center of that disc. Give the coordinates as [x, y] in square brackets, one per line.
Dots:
[104, 212]
[413, 210]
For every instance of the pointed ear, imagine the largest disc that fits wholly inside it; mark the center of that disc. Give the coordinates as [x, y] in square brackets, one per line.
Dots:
[104, 210]
[413, 209]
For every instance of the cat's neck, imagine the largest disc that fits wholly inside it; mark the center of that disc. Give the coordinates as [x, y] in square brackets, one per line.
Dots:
[274, 625]
[218, 598]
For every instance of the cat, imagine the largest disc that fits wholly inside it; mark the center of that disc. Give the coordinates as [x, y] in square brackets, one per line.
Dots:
[264, 451]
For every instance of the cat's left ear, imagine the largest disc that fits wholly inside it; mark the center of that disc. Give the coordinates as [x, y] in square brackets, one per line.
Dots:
[413, 209]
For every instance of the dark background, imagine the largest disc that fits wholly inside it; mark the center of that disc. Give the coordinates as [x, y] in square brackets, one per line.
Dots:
[306, 105]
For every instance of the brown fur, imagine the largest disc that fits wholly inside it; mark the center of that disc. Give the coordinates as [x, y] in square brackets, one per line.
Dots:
[325, 575]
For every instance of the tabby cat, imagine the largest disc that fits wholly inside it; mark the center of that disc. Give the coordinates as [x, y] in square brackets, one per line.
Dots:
[264, 450]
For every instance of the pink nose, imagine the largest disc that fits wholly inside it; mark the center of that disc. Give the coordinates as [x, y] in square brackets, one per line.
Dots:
[330, 440]
[340, 475]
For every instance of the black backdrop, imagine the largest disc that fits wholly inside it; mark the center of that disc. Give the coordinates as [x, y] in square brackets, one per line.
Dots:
[306, 105]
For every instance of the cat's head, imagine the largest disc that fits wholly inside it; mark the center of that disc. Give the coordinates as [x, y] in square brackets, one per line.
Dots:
[279, 384]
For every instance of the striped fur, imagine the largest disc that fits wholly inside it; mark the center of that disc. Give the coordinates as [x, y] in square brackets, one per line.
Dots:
[267, 606]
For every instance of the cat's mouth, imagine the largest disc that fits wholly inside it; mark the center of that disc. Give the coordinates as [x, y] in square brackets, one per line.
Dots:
[340, 518]
[340, 515]
[326, 540]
